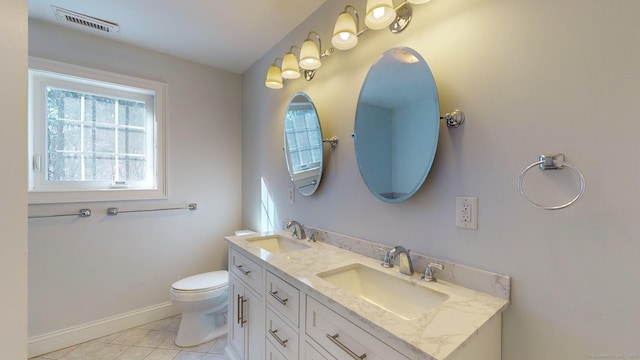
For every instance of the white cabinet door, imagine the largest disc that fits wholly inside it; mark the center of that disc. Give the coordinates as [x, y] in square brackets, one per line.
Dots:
[246, 338]
[236, 336]
[253, 314]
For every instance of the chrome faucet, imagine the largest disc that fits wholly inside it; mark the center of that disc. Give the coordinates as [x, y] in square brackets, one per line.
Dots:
[404, 261]
[429, 272]
[298, 230]
[387, 260]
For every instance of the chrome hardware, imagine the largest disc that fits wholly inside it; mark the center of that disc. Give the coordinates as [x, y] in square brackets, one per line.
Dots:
[552, 162]
[240, 306]
[112, 211]
[454, 118]
[429, 272]
[403, 18]
[404, 261]
[332, 140]
[388, 257]
[81, 213]
[274, 294]
[243, 271]
[298, 230]
[275, 336]
[343, 347]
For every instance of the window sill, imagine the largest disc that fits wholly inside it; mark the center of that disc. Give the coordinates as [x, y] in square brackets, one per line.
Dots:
[60, 197]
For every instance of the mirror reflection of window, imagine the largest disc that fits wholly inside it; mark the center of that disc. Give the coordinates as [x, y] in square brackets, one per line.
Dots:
[303, 144]
[304, 138]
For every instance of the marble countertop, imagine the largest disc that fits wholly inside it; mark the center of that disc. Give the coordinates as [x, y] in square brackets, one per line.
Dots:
[438, 333]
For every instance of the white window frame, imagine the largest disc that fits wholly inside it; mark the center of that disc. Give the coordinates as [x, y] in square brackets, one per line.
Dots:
[43, 73]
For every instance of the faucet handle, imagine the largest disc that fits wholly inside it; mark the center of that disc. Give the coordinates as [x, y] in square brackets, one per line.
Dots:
[388, 257]
[429, 272]
[297, 231]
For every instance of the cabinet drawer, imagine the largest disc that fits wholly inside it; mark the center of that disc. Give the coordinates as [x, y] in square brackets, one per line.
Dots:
[273, 353]
[310, 353]
[284, 298]
[341, 338]
[246, 270]
[282, 336]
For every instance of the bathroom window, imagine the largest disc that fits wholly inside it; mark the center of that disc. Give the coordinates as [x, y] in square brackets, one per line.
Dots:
[94, 135]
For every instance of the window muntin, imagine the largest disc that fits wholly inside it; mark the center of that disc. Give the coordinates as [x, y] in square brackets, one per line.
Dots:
[89, 135]
[99, 139]
[303, 134]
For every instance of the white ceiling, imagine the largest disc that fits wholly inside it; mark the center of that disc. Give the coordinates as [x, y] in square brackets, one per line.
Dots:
[229, 35]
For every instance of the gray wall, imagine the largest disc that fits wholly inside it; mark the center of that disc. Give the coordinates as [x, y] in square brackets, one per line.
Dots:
[533, 77]
[84, 270]
[13, 206]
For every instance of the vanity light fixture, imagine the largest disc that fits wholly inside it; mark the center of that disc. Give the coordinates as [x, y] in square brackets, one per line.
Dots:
[310, 53]
[290, 69]
[345, 32]
[379, 14]
[274, 76]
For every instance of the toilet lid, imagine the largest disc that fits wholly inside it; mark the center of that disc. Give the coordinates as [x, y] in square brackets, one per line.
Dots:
[205, 281]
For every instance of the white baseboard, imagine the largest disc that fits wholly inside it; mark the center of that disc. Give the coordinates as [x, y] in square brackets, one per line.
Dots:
[60, 339]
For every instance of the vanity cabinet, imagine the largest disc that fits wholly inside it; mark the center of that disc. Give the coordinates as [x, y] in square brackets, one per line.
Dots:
[246, 317]
[270, 319]
[280, 310]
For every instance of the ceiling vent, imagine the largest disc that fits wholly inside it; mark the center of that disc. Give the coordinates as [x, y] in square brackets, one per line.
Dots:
[69, 16]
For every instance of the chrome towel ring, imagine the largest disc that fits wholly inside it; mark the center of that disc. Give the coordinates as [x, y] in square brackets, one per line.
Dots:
[552, 162]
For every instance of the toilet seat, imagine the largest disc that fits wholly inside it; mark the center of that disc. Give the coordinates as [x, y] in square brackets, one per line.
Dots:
[200, 287]
[205, 281]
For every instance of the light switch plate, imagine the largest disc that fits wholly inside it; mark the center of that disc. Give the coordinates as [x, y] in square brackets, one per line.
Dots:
[292, 195]
[467, 212]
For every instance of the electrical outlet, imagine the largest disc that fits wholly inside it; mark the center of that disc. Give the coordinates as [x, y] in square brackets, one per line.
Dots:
[292, 195]
[467, 212]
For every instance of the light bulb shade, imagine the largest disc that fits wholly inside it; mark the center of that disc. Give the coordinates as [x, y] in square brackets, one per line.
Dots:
[274, 78]
[380, 13]
[418, 1]
[345, 33]
[290, 68]
[309, 55]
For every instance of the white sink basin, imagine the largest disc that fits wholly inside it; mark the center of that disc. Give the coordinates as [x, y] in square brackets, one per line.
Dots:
[276, 244]
[403, 298]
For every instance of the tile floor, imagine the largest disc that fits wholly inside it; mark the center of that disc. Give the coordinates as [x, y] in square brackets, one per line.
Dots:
[153, 341]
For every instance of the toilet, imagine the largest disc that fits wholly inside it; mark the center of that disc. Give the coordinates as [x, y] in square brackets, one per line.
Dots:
[202, 299]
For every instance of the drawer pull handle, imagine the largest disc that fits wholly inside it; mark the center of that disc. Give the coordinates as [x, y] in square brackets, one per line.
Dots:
[280, 300]
[238, 308]
[241, 320]
[334, 339]
[275, 336]
[243, 271]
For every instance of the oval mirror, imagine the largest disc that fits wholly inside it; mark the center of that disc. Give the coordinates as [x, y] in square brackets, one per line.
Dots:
[397, 125]
[303, 144]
